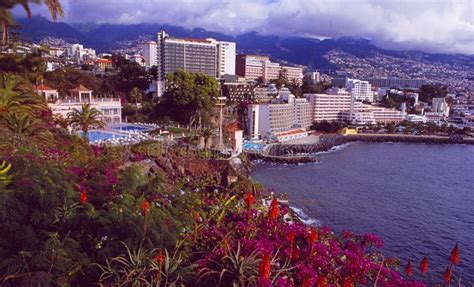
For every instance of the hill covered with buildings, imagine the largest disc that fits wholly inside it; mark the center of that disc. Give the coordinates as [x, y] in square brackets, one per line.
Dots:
[310, 52]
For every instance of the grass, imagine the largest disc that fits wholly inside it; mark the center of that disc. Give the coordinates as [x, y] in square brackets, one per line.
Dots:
[175, 130]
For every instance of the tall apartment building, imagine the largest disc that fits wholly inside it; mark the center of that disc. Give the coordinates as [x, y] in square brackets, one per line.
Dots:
[439, 105]
[288, 117]
[341, 105]
[79, 53]
[150, 54]
[328, 106]
[364, 114]
[208, 56]
[225, 58]
[361, 90]
[253, 67]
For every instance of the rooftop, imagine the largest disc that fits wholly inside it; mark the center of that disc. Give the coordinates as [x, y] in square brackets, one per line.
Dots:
[43, 88]
[81, 88]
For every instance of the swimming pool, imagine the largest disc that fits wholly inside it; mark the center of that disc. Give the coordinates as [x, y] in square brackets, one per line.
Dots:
[129, 128]
[250, 146]
[101, 135]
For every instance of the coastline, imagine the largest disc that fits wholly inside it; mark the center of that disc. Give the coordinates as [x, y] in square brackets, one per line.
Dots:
[285, 153]
[317, 215]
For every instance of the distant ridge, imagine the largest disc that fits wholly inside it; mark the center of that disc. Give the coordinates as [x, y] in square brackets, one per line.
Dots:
[304, 51]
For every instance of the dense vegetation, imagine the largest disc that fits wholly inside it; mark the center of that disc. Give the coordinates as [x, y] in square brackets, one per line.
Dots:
[75, 214]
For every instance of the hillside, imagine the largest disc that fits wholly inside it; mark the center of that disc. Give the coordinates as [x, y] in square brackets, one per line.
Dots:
[338, 57]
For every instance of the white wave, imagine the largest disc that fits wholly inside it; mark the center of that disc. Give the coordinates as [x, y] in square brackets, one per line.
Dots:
[305, 218]
[335, 148]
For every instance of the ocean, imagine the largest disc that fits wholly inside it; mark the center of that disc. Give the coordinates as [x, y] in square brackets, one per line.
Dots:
[419, 198]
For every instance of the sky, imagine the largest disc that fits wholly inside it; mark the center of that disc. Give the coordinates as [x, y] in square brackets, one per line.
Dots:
[436, 26]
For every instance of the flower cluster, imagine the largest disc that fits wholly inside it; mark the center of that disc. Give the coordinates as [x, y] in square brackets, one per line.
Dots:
[292, 254]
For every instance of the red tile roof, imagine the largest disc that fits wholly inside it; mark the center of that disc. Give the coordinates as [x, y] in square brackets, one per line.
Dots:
[232, 127]
[290, 132]
[42, 88]
[105, 61]
[80, 88]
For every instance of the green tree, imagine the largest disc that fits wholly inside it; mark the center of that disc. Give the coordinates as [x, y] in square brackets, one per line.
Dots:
[308, 87]
[136, 96]
[85, 117]
[20, 123]
[390, 128]
[6, 17]
[429, 91]
[16, 94]
[129, 75]
[282, 79]
[328, 127]
[295, 89]
[30, 66]
[188, 96]
[68, 78]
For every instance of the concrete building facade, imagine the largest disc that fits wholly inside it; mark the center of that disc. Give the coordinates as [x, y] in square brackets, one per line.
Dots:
[110, 108]
[208, 56]
[150, 54]
[254, 67]
[361, 90]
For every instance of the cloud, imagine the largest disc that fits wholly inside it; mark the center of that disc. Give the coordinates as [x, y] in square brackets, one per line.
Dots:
[430, 25]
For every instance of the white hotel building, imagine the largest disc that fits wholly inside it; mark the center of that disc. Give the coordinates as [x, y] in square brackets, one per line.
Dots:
[208, 56]
[361, 90]
[110, 108]
[287, 117]
[149, 53]
[293, 116]
[253, 67]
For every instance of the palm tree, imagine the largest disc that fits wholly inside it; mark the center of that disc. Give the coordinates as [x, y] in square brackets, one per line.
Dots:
[60, 121]
[207, 134]
[16, 95]
[6, 17]
[85, 117]
[20, 123]
[136, 95]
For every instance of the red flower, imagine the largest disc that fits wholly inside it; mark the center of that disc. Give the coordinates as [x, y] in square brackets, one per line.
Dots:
[274, 209]
[83, 197]
[249, 199]
[424, 265]
[347, 283]
[296, 253]
[160, 257]
[291, 237]
[197, 217]
[264, 270]
[313, 235]
[409, 269]
[447, 276]
[145, 207]
[454, 258]
[322, 282]
[306, 282]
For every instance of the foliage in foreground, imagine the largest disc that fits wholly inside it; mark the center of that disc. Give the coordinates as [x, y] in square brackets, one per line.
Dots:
[73, 214]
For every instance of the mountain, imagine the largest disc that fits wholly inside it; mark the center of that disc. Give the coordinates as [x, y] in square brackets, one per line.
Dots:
[311, 52]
